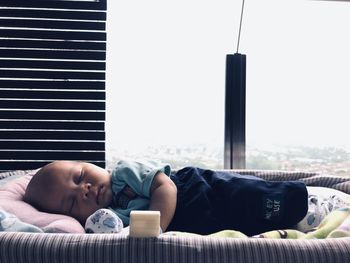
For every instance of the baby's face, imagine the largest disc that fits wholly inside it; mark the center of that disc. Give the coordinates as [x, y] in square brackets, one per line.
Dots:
[77, 189]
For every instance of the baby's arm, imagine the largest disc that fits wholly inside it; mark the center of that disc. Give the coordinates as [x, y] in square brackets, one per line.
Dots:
[163, 198]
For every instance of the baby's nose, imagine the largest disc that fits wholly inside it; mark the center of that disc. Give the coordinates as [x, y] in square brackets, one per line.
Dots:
[85, 190]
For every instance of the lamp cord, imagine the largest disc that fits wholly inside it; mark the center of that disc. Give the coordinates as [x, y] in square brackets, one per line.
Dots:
[240, 26]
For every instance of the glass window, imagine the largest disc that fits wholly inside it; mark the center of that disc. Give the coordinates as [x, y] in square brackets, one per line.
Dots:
[297, 85]
[166, 79]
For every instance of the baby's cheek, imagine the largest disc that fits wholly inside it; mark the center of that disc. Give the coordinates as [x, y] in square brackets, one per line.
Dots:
[84, 212]
[107, 198]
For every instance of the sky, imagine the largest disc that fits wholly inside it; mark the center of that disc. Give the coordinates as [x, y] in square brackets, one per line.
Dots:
[166, 71]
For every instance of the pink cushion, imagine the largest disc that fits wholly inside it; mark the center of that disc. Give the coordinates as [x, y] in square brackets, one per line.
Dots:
[11, 200]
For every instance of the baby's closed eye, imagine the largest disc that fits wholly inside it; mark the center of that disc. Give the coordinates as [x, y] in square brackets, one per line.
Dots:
[79, 177]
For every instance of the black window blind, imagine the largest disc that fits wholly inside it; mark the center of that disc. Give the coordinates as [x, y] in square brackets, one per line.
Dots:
[52, 82]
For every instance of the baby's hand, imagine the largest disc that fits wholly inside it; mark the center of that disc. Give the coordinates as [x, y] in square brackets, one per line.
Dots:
[103, 221]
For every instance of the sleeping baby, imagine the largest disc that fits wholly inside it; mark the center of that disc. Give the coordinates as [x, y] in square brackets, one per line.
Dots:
[190, 200]
[80, 190]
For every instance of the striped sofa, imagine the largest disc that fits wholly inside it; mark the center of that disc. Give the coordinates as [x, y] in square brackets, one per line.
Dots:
[52, 248]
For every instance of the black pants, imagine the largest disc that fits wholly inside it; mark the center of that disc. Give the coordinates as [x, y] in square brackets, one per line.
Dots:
[210, 201]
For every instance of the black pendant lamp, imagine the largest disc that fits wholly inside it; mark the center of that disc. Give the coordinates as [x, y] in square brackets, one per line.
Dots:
[235, 107]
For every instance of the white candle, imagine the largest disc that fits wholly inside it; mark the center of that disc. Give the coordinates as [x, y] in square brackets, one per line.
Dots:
[144, 223]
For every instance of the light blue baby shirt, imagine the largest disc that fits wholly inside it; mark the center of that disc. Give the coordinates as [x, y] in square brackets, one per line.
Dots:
[131, 186]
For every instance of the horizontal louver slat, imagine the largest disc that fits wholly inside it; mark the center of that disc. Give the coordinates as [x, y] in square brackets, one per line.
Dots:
[52, 24]
[64, 4]
[34, 164]
[52, 82]
[52, 125]
[52, 44]
[44, 64]
[52, 54]
[52, 34]
[30, 94]
[42, 74]
[55, 14]
[52, 135]
[51, 115]
[76, 105]
[59, 155]
[52, 145]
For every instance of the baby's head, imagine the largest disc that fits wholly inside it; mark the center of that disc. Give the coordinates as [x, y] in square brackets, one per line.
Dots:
[71, 188]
